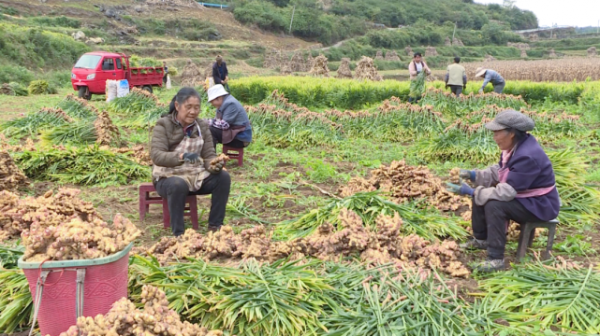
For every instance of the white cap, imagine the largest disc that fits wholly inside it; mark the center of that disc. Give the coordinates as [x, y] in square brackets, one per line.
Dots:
[215, 92]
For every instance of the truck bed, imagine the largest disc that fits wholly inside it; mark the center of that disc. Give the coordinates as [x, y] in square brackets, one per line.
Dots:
[146, 76]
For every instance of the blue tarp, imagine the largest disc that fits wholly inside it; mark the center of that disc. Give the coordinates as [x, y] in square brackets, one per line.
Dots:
[206, 4]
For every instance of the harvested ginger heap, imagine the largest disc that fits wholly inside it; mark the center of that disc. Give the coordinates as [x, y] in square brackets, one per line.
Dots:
[63, 227]
[124, 319]
[383, 244]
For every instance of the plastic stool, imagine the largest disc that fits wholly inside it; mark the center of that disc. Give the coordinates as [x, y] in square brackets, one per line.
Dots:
[234, 153]
[527, 234]
[145, 200]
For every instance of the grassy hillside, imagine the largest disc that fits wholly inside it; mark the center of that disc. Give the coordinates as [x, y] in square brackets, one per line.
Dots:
[329, 21]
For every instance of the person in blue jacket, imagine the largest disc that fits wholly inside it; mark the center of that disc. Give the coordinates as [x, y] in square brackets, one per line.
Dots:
[521, 187]
[491, 76]
[231, 125]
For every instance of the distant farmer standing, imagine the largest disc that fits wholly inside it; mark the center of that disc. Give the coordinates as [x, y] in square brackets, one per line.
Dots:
[456, 78]
[220, 73]
[418, 70]
[166, 73]
[490, 76]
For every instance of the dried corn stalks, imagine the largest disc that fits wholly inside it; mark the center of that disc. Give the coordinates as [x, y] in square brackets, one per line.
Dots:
[344, 70]
[62, 227]
[405, 183]
[192, 75]
[366, 70]
[380, 245]
[124, 319]
[319, 67]
[11, 177]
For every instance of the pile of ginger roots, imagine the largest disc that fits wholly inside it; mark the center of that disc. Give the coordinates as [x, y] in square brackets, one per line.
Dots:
[382, 244]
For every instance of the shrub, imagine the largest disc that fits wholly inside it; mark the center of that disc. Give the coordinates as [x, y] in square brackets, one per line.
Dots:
[41, 87]
[60, 21]
[16, 74]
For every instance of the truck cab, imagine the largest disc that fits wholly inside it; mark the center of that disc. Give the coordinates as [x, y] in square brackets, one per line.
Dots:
[93, 69]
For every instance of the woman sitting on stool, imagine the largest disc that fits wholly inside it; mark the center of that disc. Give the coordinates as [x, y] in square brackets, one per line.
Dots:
[181, 150]
[231, 126]
[520, 188]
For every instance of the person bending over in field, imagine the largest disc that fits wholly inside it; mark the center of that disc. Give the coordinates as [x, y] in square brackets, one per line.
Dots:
[456, 78]
[490, 76]
[521, 188]
[231, 125]
[182, 150]
[418, 70]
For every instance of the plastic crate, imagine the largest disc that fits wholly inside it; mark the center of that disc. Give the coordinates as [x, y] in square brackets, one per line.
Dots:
[104, 282]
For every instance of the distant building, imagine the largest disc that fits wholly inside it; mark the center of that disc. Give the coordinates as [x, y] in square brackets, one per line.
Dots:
[547, 32]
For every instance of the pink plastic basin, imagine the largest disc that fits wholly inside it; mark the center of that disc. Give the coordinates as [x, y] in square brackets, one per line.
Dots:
[105, 283]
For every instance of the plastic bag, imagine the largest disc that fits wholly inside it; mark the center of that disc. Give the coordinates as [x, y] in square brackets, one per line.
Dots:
[111, 89]
[123, 89]
[168, 82]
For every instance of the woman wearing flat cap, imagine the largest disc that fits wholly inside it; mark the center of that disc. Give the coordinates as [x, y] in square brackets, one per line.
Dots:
[521, 187]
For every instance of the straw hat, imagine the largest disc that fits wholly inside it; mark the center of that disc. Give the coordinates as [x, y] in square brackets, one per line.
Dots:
[480, 72]
[215, 92]
[511, 119]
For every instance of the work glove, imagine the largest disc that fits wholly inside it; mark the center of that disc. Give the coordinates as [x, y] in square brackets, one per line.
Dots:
[467, 175]
[217, 167]
[463, 189]
[480, 90]
[191, 158]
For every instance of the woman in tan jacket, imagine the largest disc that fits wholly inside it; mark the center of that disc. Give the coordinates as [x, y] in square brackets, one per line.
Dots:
[418, 70]
[181, 150]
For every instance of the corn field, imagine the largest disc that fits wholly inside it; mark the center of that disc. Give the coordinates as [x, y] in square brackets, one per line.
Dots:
[559, 70]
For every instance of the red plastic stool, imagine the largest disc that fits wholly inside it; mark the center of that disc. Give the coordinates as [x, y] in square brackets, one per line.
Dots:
[234, 153]
[190, 210]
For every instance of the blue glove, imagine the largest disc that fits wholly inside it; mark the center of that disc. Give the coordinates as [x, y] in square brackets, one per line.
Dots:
[191, 158]
[464, 189]
[467, 174]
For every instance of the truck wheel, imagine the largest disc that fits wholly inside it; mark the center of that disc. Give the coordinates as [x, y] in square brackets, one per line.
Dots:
[147, 88]
[84, 93]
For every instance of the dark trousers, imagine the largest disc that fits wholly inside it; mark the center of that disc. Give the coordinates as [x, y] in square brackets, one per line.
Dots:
[489, 223]
[499, 88]
[456, 89]
[217, 135]
[175, 190]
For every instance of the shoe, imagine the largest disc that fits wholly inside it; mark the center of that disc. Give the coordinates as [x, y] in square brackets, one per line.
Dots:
[475, 244]
[214, 228]
[490, 265]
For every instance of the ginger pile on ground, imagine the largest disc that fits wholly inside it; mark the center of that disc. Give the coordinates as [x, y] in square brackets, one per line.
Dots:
[455, 175]
[137, 153]
[124, 319]
[106, 131]
[11, 177]
[406, 183]
[383, 244]
[63, 227]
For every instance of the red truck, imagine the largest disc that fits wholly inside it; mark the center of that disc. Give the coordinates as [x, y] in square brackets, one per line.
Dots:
[91, 71]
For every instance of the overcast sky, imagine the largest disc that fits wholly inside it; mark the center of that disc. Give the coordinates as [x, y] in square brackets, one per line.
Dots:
[580, 13]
